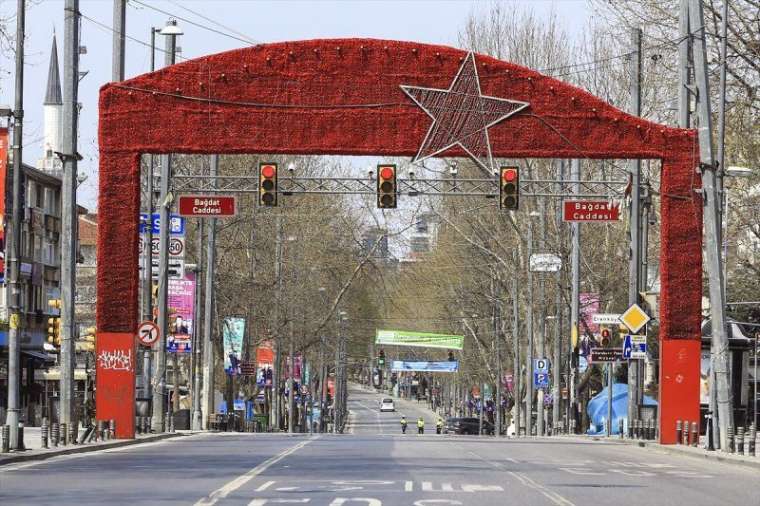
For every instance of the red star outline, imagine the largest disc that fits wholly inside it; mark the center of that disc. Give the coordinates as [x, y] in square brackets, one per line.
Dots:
[471, 130]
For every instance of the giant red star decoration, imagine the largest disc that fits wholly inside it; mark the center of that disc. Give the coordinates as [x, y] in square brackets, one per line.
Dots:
[461, 115]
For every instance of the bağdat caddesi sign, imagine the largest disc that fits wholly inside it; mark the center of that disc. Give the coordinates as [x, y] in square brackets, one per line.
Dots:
[590, 211]
[207, 206]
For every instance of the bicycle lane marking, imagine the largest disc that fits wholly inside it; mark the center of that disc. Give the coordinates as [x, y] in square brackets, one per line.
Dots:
[241, 480]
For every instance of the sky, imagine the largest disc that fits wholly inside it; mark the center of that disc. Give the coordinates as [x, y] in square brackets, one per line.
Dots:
[428, 21]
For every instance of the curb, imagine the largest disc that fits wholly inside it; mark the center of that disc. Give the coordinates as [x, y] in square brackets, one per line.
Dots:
[27, 457]
[676, 450]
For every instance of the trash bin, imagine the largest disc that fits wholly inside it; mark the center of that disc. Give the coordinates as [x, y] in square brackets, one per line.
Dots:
[182, 419]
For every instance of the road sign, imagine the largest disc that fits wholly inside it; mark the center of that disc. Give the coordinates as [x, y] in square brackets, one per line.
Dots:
[541, 380]
[176, 268]
[606, 318]
[634, 347]
[207, 206]
[606, 355]
[590, 211]
[176, 224]
[634, 318]
[541, 365]
[147, 333]
[247, 368]
[545, 262]
[176, 246]
[582, 364]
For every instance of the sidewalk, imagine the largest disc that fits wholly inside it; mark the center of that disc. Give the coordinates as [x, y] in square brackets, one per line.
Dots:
[36, 452]
[690, 451]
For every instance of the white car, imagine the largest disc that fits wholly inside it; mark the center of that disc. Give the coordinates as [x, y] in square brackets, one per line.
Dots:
[387, 405]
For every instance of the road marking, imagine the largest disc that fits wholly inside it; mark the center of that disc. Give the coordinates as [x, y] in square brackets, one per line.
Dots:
[265, 486]
[580, 471]
[552, 496]
[425, 502]
[427, 486]
[408, 486]
[262, 502]
[340, 501]
[238, 482]
[482, 488]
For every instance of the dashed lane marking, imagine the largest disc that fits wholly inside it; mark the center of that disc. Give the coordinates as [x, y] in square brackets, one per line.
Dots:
[238, 482]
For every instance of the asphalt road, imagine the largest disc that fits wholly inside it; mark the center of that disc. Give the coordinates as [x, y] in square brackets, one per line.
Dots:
[375, 465]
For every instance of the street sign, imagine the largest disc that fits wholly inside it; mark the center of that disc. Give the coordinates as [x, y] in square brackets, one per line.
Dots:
[176, 224]
[541, 365]
[606, 355]
[545, 262]
[606, 318]
[541, 380]
[176, 268]
[147, 333]
[176, 246]
[634, 347]
[634, 318]
[582, 364]
[207, 206]
[247, 368]
[590, 211]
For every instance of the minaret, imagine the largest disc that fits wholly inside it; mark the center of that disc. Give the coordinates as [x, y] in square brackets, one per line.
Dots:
[53, 110]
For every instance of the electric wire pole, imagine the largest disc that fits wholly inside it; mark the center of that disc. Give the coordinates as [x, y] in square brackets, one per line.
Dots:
[14, 240]
[69, 210]
[516, 347]
[529, 351]
[119, 39]
[541, 351]
[634, 270]
[575, 266]
[197, 335]
[719, 340]
[207, 393]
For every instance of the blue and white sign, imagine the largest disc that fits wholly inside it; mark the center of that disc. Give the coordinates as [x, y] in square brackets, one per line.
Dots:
[442, 366]
[176, 224]
[634, 347]
[541, 365]
[541, 379]
[582, 364]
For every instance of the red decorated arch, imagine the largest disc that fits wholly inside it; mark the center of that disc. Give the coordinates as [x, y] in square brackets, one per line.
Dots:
[343, 97]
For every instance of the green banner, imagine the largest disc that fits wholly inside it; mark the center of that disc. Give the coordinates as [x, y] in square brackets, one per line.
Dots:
[421, 339]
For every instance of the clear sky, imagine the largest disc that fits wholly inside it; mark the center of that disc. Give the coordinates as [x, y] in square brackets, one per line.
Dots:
[433, 21]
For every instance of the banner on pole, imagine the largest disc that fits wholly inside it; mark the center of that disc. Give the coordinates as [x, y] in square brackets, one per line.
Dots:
[442, 366]
[233, 330]
[420, 339]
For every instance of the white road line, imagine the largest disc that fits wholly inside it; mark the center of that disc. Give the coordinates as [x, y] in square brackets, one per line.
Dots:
[238, 482]
[552, 496]
[265, 486]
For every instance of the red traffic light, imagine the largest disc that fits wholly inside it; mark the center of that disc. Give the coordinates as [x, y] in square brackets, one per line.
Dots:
[509, 175]
[268, 184]
[268, 171]
[509, 188]
[386, 186]
[386, 173]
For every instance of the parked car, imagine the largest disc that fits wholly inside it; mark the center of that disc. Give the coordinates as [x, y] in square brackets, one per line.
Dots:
[387, 405]
[466, 426]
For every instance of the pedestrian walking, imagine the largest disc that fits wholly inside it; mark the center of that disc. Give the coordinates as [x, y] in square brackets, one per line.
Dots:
[439, 425]
[421, 426]
[403, 425]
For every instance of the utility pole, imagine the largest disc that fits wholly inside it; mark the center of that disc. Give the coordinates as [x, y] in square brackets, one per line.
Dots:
[147, 281]
[338, 383]
[13, 245]
[557, 355]
[275, 414]
[165, 204]
[69, 209]
[529, 352]
[197, 348]
[541, 352]
[711, 199]
[516, 347]
[119, 38]
[207, 393]
[497, 339]
[575, 266]
[291, 380]
[634, 270]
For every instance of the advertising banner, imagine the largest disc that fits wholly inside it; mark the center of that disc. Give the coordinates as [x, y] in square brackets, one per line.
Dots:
[233, 330]
[421, 339]
[442, 366]
[589, 306]
[181, 295]
[3, 172]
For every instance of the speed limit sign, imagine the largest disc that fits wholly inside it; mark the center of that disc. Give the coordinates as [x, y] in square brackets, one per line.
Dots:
[147, 333]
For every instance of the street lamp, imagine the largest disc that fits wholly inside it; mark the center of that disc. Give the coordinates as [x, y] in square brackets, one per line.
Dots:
[171, 28]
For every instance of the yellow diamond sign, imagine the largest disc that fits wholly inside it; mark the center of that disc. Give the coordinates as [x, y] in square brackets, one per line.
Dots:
[634, 318]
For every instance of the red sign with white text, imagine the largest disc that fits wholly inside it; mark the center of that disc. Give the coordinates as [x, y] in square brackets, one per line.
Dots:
[207, 206]
[590, 211]
[115, 360]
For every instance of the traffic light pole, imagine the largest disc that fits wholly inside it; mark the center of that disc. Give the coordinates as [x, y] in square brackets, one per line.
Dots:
[529, 351]
[575, 265]
[69, 210]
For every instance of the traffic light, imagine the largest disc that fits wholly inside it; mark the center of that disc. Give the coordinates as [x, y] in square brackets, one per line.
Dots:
[386, 187]
[605, 334]
[54, 331]
[268, 184]
[509, 188]
[381, 358]
[86, 341]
